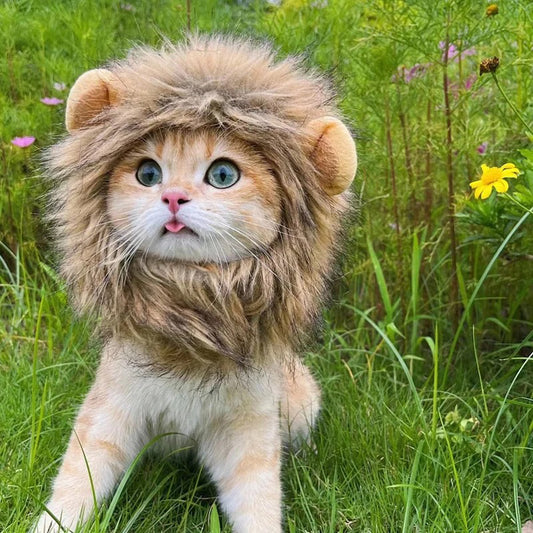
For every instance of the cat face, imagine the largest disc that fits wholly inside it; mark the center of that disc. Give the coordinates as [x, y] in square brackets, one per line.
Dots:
[194, 197]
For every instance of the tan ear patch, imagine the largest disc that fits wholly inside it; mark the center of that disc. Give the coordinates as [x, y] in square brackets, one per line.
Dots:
[333, 153]
[93, 91]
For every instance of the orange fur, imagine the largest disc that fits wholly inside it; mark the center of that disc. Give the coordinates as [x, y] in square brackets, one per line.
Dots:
[232, 325]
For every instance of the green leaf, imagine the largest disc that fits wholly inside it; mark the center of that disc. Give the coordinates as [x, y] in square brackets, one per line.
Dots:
[214, 520]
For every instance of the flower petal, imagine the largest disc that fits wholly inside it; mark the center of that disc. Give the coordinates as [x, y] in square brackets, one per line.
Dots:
[23, 142]
[486, 191]
[484, 168]
[510, 173]
[475, 184]
[477, 192]
[501, 185]
[507, 165]
[51, 101]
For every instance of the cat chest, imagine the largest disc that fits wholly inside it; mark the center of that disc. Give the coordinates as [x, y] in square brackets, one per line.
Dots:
[187, 406]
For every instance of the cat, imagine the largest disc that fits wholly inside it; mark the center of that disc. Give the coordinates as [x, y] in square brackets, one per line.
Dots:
[197, 201]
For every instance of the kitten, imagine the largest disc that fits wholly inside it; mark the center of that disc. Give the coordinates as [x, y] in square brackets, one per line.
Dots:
[197, 204]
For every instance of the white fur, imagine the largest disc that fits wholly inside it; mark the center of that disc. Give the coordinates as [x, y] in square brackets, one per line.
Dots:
[234, 425]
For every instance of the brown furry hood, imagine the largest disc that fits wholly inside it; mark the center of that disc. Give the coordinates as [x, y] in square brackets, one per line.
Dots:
[246, 310]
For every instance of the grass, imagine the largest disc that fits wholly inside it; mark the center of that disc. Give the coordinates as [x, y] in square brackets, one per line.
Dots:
[391, 453]
[427, 420]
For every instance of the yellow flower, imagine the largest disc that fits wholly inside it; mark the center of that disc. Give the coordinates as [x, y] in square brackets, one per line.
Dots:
[493, 177]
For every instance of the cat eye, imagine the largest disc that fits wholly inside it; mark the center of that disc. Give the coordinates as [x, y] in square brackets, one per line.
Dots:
[149, 173]
[222, 174]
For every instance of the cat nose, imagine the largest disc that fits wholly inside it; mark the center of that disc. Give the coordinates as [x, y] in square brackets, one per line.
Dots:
[174, 199]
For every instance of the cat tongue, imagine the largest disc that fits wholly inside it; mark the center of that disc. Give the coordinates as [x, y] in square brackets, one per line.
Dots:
[174, 226]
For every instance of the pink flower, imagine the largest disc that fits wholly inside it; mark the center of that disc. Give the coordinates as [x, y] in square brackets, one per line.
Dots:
[468, 52]
[59, 86]
[23, 142]
[417, 70]
[453, 88]
[399, 75]
[482, 148]
[47, 100]
[469, 82]
[456, 88]
[408, 74]
[453, 53]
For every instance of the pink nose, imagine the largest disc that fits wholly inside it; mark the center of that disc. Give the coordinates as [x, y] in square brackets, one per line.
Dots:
[174, 199]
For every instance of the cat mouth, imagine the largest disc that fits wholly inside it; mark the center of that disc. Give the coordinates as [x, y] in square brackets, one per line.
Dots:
[175, 226]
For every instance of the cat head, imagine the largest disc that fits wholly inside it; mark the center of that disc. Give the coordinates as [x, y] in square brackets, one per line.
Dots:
[199, 197]
[206, 153]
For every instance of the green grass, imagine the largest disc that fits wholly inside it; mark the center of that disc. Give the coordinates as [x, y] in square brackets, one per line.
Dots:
[427, 421]
[389, 454]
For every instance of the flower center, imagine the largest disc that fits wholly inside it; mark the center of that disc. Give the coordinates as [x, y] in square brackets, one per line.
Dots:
[491, 175]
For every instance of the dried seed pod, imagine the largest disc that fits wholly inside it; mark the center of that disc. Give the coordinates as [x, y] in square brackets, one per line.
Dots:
[489, 65]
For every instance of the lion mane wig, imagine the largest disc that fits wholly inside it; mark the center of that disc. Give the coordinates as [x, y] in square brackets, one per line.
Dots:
[212, 317]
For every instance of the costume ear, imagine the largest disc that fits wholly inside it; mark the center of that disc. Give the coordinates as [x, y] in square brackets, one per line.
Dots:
[93, 91]
[333, 153]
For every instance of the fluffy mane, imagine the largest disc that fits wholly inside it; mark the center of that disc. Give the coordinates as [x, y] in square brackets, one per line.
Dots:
[217, 316]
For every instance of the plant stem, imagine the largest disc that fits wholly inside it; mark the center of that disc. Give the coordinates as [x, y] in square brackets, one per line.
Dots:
[412, 210]
[515, 201]
[511, 105]
[428, 183]
[392, 170]
[454, 288]
[392, 176]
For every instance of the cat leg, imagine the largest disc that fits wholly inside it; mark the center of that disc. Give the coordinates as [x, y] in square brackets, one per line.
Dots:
[105, 440]
[242, 453]
[300, 403]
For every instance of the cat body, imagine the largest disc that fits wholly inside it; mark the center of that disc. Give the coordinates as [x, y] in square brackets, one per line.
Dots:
[197, 204]
[233, 428]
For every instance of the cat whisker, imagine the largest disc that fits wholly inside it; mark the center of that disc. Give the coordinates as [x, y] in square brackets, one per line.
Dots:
[261, 247]
[279, 228]
[258, 259]
[267, 250]
[246, 218]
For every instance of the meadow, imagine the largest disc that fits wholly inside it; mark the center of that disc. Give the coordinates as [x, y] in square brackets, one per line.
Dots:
[424, 354]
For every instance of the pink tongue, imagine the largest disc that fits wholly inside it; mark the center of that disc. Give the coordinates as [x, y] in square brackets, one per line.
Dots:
[174, 226]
